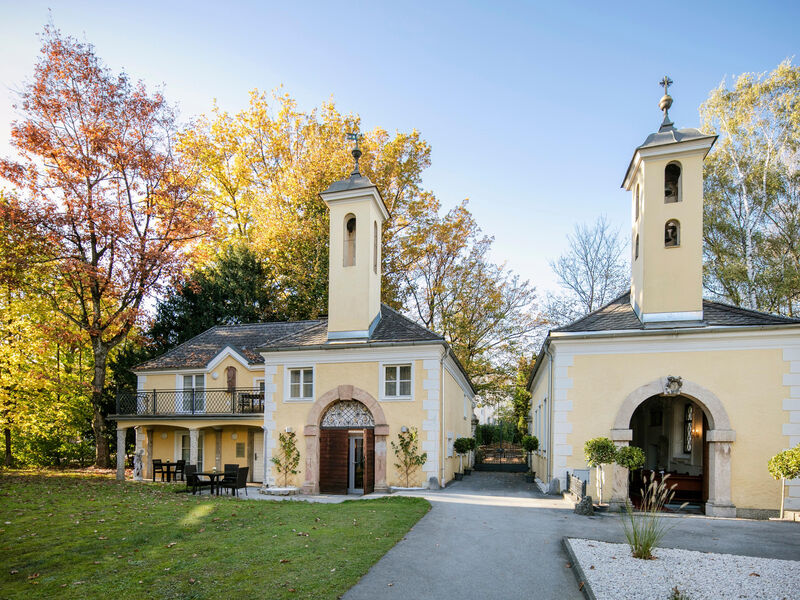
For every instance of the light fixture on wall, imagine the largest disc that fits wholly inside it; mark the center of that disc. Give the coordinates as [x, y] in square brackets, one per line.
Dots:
[404, 429]
[288, 430]
[163, 435]
[214, 375]
[234, 435]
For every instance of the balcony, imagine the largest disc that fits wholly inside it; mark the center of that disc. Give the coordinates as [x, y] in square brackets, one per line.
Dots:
[177, 403]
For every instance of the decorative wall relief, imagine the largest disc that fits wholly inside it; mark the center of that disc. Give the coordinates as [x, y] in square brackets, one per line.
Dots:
[672, 385]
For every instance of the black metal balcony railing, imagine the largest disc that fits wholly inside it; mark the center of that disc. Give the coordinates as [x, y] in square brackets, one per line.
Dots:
[239, 401]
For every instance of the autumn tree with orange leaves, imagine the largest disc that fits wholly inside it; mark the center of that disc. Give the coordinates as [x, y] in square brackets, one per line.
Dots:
[99, 184]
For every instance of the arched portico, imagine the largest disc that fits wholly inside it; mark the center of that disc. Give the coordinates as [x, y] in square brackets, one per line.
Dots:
[719, 436]
[312, 429]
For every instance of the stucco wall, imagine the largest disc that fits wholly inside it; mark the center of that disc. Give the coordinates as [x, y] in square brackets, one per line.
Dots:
[749, 383]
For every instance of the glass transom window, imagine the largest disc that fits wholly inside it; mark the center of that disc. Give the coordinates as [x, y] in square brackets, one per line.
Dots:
[301, 384]
[397, 381]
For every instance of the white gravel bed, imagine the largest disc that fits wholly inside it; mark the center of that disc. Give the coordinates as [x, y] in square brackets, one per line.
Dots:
[614, 574]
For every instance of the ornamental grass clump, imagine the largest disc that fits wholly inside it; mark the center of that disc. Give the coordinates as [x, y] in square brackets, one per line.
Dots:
[645, 528]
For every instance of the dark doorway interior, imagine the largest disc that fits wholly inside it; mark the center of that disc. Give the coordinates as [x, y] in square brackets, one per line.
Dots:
[671, 432]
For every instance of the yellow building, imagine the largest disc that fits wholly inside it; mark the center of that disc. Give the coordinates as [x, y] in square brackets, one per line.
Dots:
[709, 391]
[345, 385]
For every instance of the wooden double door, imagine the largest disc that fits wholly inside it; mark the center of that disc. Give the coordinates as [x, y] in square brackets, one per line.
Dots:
[346, 461]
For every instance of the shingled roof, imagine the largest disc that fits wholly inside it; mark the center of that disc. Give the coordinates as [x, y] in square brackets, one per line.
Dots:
[618, 315]
[251, 339]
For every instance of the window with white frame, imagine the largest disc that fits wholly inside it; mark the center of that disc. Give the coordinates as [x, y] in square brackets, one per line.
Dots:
[301, 384]
[397, 381]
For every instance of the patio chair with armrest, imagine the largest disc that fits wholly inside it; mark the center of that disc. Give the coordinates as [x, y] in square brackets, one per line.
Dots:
[229, 473]
[194, 481]
[180, 469]
[158, 467]
[241, 482]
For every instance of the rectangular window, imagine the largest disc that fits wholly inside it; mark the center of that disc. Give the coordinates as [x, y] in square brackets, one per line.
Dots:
[239, 449]
[301, 384]
[397, 381]
[193, 396]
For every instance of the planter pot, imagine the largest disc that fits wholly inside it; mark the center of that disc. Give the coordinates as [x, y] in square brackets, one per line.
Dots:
[459, 476]
[280, 491]
[467, 471]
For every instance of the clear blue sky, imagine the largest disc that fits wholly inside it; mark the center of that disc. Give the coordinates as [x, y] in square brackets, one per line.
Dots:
[532, 110]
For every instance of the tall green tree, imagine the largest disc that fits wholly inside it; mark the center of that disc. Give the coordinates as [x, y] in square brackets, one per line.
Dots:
[751, 248]
[236, 286]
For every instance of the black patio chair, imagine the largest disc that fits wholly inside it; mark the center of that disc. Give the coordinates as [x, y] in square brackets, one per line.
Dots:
[180, 469]
[158, 467]
[241, 482]
[229, 473]
[193, 481]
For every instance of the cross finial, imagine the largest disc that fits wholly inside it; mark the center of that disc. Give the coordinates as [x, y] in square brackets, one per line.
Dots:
[665, 103]
[665, 83]
[355, 137]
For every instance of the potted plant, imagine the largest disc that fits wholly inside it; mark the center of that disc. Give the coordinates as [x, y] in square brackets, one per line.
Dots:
[600, 451]
[785, 465]
[530, 443]
[461, 446]
[473, 443]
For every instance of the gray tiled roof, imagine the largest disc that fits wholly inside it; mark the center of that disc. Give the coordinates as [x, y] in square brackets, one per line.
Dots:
[249, 340]
[393, 327]
[618, 315]
[197, 352]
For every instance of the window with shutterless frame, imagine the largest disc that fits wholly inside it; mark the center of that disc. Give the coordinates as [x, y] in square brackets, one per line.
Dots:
[397, 381]
[301, 383]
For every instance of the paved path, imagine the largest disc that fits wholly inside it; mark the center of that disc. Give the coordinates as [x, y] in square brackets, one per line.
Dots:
[492, 536]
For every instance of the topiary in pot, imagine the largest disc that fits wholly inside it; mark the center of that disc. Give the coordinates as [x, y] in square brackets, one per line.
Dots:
[785, 465]
[630, 457]
[473, 443]
[461, 446]
[599, 451]
[530, 443]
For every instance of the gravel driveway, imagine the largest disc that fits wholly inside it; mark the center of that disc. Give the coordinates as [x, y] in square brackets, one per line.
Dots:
[494, 536]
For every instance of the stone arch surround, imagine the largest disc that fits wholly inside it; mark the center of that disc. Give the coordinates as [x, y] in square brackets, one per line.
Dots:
[312, 427]
[719, 436]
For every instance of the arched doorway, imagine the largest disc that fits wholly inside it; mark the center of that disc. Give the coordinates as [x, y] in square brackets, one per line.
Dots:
[717, 437]
[671, 432]
[353, 413]
[347, 449]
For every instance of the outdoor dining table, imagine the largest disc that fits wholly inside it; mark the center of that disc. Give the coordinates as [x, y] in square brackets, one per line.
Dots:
[213, 476]
[169, 469]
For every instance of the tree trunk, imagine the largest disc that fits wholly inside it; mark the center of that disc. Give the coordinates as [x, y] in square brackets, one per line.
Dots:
[99, 425]
[9, 458]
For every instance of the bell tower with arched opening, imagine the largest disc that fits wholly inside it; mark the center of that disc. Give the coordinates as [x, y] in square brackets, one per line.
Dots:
[357, 213]
[665, 178]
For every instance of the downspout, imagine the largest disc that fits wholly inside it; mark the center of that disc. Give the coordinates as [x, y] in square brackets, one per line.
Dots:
[445, 354]
[550, 412]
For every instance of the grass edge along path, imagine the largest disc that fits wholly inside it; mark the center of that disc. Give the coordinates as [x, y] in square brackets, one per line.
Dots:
[72, 535]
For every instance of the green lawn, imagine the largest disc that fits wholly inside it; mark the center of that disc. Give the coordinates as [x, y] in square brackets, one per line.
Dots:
[74, 535]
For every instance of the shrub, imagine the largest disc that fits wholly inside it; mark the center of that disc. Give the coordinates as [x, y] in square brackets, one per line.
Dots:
[785, 465]
[630, 457]
[407, 452]
[288, 457]
[645, 529]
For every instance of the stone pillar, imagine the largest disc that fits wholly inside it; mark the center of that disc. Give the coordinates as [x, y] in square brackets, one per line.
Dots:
[619, 474]
[381, 437]
[251, 440]
[218, 452]
[311, 483]
[148, 459]
[719, 502]
[121, 435]
[265, 463]
[194, 436]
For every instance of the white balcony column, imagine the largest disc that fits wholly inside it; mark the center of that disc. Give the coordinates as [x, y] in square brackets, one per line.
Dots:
[194, 436]
[121, 435]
